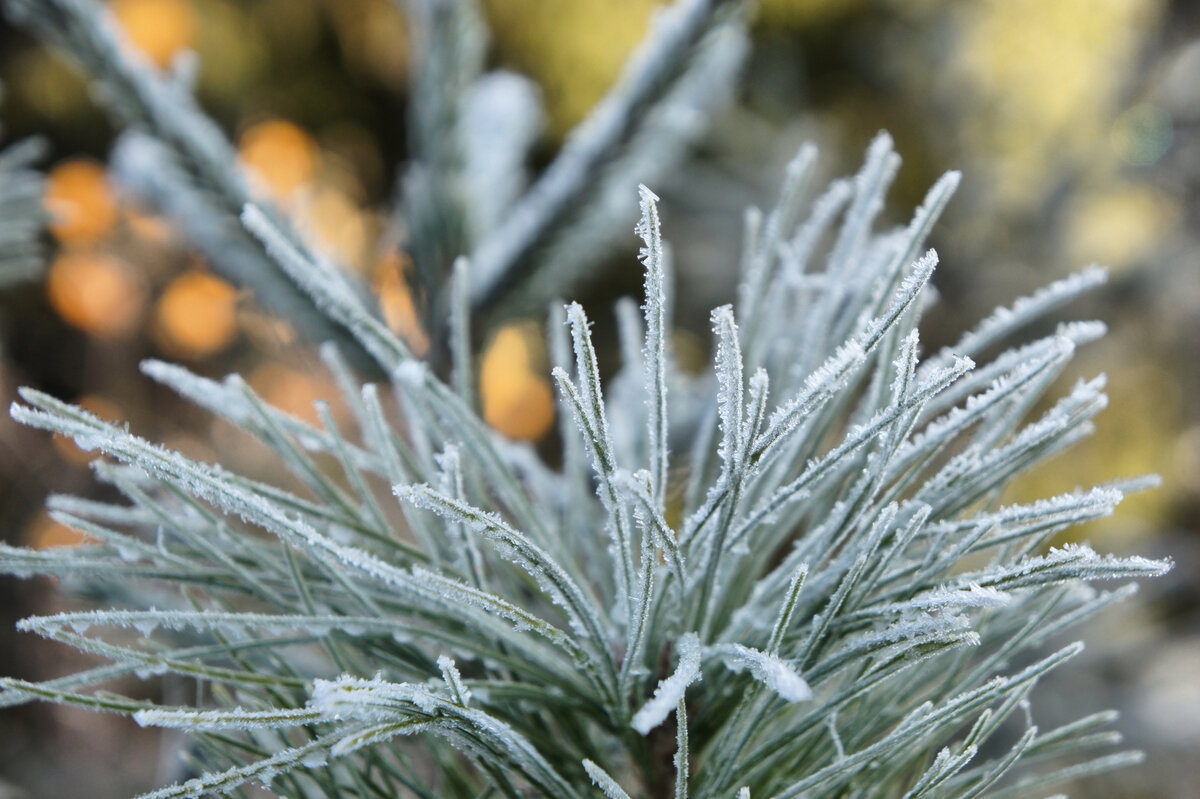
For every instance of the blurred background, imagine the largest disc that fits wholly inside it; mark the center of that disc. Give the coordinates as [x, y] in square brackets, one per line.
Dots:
[1075, 123]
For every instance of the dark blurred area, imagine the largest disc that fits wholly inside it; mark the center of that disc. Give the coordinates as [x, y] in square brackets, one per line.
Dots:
[1075, 123]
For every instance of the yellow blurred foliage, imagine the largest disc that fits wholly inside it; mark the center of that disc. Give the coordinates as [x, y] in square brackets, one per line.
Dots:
[396, 301]
[159, 29]
[234, 49]
[196, 315]
[80, 202]
[1118, 225]
[801, 13]
[292, 26]
[574, 50]
[1044, 80]
[373, 38]
[96, 293]
[517, 401]
[48, 85]
[1185, 460]
[279, 154]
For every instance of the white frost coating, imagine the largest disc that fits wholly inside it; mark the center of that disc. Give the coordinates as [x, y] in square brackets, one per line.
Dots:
[227, 623]
[913, 628]
[1068, 508]
[454, 595]
[1071, 562]
[377, 733]
[206, 393]
[604, 782]
[232, 719]
[671, 690]
[1027, 309]
[329, 290]
[644, 81]
[1050, 351]
[654, 353]
[370, 700]
[410, 374]
[502, 117]
[906, 294]
[764, 242]
[870, 184]
[939, 432]
[1070, 415]
[826, 380]
[796, 252]
[225, 781]
[511, 544]
[905, 364]
[462, 693]
[756, 404]
[969, 596]
[771, 670]
[856, 437]
[588, 402]
[652, 521]
[730, 384]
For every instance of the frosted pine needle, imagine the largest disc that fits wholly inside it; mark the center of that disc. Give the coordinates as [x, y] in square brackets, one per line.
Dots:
[840, 602]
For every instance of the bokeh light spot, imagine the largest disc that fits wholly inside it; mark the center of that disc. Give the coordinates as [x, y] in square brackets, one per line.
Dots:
[196, 315]
[96, 293]
[46, 533]
[396, 302]
[517, 401]
[80, 202]
[291, 390]
[159, 29]
[281, 155]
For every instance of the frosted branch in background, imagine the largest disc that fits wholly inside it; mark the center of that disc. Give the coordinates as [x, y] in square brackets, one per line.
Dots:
[838, 604]
[648, 78]
[22, 217]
